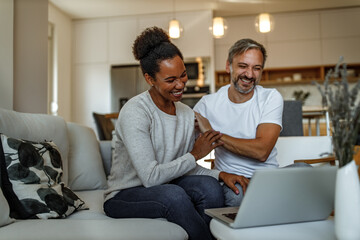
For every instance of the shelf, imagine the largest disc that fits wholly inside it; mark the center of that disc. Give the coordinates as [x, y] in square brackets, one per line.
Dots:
[292, 76]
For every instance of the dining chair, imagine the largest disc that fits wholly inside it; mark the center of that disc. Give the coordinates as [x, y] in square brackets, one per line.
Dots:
[292, 120]
[104, 126]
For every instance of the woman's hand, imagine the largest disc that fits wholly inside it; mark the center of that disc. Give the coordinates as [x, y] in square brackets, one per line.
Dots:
[202, 122]
[230, 179]
[205, 143]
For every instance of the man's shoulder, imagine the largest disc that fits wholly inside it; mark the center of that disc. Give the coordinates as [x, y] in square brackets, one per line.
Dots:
[219, 94]
[268, 92]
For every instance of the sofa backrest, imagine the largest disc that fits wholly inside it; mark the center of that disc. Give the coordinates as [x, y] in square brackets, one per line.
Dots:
[302, 147]
[39, 128]
[86, 170]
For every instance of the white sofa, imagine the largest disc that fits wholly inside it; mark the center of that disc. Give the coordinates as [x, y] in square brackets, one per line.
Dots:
[86, 163]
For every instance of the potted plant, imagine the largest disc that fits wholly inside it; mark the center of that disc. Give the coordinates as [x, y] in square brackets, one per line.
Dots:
[343, 105]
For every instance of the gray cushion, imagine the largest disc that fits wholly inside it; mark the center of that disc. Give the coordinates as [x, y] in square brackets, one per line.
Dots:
[110, 229]
[4, 210]
[106, 155]
[86, 171]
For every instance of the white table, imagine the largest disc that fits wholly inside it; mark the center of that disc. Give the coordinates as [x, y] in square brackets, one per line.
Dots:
[319, 230]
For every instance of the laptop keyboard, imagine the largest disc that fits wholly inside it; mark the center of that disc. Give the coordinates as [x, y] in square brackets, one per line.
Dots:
[230, 215]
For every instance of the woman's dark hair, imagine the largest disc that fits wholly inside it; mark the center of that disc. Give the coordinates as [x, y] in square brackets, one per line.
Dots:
[151, 47]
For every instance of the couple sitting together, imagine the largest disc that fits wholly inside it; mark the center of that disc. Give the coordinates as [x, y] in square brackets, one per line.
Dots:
[154, 173]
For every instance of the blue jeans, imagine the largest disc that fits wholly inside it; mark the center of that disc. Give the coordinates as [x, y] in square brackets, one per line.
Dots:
[233, 200]
[182, 201]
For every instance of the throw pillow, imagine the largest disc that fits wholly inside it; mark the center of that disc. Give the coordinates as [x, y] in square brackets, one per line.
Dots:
[34, 188]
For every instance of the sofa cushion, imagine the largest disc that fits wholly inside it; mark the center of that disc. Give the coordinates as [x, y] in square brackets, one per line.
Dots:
[110, 229]
[34, 170]
[94, 200]
[4, 206]
[86, 170]
[4, 211]
[37, 127]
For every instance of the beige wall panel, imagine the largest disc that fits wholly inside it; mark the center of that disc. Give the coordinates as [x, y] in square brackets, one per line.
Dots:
[6, 53]
[158, 20]
[195, 40]
[91, 43]
[122, 33]
[340, 23]
[295, 26]
[238, 28]
[294, 53]
[221, 53]
[63, 49]
[30, 56]
[349, 48]
[91, 92]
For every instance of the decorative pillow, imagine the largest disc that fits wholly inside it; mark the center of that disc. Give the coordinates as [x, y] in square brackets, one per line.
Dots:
[33, 184]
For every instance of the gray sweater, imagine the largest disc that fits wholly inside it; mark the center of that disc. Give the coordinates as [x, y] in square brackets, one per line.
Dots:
[152, 147]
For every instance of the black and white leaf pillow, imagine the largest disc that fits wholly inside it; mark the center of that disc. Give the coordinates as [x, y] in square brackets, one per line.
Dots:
[34, 171]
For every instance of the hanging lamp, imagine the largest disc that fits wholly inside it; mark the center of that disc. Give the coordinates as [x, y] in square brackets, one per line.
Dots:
[174, 26]
[264, 23]
[219, 27]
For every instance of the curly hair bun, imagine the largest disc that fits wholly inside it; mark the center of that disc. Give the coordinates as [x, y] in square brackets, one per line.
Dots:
[149, 39]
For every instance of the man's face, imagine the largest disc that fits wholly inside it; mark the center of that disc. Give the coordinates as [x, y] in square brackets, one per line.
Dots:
[245, 70]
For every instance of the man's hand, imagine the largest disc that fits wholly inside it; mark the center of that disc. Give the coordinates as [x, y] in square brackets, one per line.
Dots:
[230, 179]
[202, 122]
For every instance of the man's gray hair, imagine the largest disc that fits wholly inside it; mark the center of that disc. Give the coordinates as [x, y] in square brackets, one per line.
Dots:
[242, 46]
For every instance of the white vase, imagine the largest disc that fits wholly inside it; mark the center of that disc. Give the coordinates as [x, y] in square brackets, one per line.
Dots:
[347, 203]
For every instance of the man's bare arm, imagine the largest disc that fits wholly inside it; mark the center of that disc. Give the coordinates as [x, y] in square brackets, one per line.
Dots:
[258, 148]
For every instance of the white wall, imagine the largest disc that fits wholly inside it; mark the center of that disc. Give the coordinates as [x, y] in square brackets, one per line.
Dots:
[314, 38]
[300, 39]
[30, 55]
[62, 59]
[100, 43]
[6, 53]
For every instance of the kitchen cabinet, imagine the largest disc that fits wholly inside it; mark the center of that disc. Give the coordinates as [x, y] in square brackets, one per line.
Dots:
[90, 42]
[293, 75]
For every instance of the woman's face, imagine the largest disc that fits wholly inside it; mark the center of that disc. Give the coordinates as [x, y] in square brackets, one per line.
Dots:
[170, 80]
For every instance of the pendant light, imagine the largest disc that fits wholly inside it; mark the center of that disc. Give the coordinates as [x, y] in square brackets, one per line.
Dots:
[264, 23]
[219, 27]
[174, 26]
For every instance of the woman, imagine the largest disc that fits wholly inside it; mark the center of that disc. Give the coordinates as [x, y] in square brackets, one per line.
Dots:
[155, 147]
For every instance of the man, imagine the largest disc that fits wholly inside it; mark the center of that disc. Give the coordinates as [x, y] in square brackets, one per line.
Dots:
[248, 115]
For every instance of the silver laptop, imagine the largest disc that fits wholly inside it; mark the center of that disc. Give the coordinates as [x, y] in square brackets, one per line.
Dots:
[281, 196]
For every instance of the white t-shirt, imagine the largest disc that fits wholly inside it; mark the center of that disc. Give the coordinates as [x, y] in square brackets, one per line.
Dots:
[240, 120]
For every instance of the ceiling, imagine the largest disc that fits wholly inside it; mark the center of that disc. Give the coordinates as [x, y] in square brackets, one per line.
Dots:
[85, 9]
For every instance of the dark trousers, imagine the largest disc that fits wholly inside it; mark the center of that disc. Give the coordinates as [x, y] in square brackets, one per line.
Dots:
[182, 201]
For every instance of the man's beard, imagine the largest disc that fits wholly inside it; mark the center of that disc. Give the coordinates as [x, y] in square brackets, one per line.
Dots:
[236, 85]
